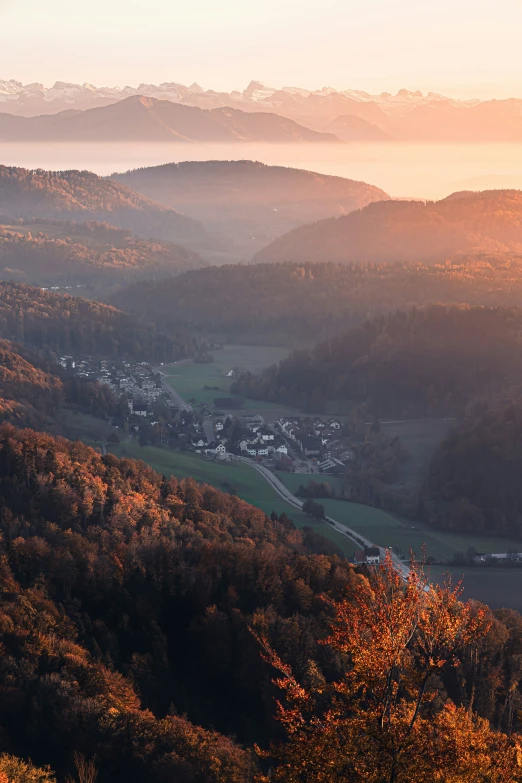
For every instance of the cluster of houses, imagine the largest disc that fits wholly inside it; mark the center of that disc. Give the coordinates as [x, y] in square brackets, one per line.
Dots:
[136, 381]
[319, 439]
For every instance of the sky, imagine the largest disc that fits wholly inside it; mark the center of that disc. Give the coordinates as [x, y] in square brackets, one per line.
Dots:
[462, 48]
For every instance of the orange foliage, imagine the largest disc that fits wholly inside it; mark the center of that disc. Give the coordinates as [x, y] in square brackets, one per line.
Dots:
[384, 721]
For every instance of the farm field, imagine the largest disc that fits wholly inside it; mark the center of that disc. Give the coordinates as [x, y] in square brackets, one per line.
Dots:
[244, 481]
[189, 379]
[497, 587]
[387, 529]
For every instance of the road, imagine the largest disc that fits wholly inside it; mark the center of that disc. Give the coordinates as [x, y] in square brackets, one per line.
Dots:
[283, 492]
[180, 402]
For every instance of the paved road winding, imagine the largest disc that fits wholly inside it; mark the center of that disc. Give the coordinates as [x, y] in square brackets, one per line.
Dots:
[286, 495]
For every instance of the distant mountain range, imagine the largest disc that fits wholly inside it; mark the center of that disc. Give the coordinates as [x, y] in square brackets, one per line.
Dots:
[249, 202]
[407, 116]
[140, 118]
[463, 224]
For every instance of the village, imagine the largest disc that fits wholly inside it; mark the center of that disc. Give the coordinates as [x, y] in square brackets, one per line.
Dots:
[156, 414]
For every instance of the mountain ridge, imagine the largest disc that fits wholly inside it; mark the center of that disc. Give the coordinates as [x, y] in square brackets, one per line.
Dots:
[143, 118]
[407, 116]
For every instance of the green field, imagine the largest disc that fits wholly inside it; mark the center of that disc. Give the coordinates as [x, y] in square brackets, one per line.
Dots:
[189, 379]
[386, 529]
[244, 481]
[496, 587]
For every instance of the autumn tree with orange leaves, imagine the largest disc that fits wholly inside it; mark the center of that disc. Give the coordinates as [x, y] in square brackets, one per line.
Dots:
[386, 720]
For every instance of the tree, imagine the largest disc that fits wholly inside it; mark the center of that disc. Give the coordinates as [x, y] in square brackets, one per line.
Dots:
[313, 509]
[385, 720]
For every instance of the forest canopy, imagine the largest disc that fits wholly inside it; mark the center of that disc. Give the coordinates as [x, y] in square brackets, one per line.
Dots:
[474, 479]
[58, 253]
[432, 361]
[291, 303]
[57, 324]
[466, 223]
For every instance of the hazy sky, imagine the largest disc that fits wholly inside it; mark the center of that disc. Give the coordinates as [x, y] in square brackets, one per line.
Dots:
[460, 47]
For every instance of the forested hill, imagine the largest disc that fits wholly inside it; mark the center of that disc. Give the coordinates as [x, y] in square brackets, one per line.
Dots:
[464, 223]
[248, 197]
[60, 253]
[83, 196]
[56, 324]
[127, 608]
[289, 303]
[127, 605]
[474, 479]
[427, 362]
[32, 394]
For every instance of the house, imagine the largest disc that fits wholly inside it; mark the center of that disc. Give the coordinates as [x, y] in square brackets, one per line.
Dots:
[282, 448]
[370, 555]
[199, 443]
[140, 409]
[220, 449]
[373, 555]
[310, 445]
[257, 449]
[334, 424]
[218, 426]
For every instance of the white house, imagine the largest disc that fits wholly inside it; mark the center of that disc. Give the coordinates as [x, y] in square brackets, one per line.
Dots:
[282, 449]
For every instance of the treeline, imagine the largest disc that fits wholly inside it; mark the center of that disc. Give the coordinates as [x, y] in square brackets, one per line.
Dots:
[291, 303]
[94, 254]
[428, 362]
[55, 324]
[473, 484]
[125, 622]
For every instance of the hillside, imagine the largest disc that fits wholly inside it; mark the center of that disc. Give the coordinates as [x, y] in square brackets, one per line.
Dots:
[465, 223]
[29, 396]
[249, 199]
[289, 304]
[54, 324]
[139, 118]
[66, 253]
[410, 364]
[145, 589]
[127, 614]
[34, 392]
[83, 196]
